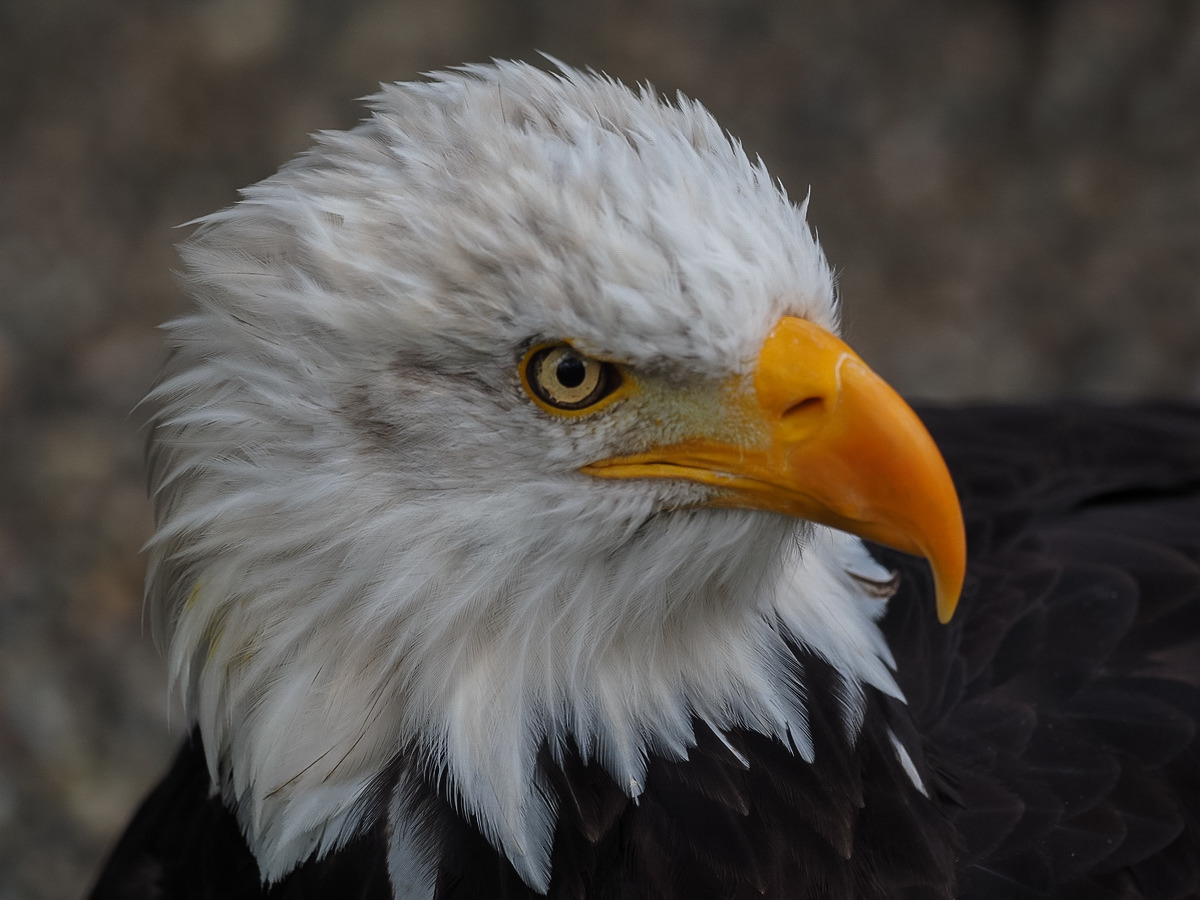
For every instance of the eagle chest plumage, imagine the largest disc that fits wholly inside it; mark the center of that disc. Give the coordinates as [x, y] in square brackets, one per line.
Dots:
[511, 493]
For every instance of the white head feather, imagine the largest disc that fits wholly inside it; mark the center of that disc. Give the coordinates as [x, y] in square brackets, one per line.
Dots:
[370, 541]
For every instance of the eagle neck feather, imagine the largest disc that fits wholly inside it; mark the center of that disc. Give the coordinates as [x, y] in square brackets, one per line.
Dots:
[310, 666]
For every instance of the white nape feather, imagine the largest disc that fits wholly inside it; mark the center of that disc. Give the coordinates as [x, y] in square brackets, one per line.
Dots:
[906, 763]
[370, 542]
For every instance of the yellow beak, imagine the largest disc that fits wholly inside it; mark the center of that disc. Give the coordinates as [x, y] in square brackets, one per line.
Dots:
[829, 441]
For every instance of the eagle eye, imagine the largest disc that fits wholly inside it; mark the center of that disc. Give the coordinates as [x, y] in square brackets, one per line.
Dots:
[564, 380]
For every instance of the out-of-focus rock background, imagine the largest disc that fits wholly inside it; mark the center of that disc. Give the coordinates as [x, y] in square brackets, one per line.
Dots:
[1010, 190]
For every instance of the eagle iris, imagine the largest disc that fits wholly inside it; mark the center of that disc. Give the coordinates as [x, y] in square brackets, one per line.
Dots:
[564, 380]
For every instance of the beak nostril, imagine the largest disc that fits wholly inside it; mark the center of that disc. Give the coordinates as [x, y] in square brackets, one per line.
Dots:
[809, 406]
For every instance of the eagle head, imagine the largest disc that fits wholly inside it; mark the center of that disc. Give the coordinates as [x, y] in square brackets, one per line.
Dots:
[509, 421]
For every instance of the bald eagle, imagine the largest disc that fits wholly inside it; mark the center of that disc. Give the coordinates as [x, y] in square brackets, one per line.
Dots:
[511, 491]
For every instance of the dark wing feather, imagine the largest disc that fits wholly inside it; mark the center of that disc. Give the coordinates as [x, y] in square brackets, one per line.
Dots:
[183, 844]
[1069, 679]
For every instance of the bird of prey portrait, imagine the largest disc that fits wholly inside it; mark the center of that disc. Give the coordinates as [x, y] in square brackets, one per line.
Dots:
[524, 528]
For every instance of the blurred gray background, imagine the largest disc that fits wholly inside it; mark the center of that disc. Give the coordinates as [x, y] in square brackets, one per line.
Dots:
[1009, 190]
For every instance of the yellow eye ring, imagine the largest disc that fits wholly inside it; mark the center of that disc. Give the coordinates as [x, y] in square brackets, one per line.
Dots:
[563, 381]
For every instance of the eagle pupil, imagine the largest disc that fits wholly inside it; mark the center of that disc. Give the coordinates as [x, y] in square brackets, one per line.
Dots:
[570, 371]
